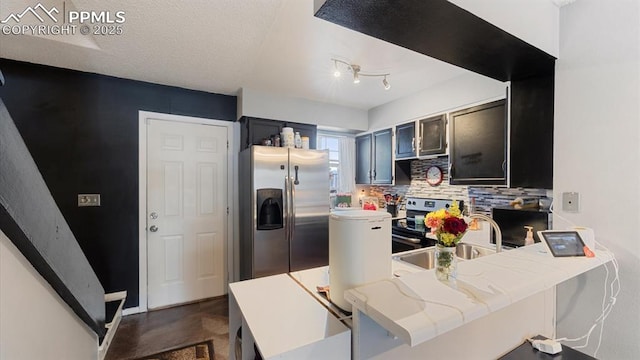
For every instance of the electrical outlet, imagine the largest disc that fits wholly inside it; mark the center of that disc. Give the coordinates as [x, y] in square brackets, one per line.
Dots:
[570, 201]
[88, 200]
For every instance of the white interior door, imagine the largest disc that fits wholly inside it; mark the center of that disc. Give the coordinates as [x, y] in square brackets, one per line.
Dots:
[186, 211]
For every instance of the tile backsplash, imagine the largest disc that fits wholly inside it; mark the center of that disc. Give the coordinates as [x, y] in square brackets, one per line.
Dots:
[486, 197]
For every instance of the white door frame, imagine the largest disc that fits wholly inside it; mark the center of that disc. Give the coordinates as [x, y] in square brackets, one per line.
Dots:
[232, 180]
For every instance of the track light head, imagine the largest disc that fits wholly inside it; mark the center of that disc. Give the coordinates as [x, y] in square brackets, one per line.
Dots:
[386, 84]
[356, 70]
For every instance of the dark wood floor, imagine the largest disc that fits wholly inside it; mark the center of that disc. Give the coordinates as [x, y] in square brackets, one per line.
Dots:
[157, 331]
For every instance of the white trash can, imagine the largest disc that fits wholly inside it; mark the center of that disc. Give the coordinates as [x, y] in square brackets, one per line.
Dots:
[359, 251]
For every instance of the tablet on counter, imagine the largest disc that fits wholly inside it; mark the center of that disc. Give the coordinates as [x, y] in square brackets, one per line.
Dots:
[562, 243]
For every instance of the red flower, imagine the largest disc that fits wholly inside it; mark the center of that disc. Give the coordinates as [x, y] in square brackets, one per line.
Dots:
[454, 225]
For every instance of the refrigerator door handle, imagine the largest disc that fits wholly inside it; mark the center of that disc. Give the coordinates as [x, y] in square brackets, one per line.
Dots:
[296, 181]
[286, 207]
[292, 189]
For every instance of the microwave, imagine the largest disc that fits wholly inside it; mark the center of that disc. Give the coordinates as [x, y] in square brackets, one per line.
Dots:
[512, 222]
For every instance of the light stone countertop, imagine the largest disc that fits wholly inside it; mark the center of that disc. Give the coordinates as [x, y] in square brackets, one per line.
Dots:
[288, 323]
[416, 307]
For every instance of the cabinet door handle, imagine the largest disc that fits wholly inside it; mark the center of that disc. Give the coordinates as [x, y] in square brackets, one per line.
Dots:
[413, 144]
[504, 164]
[420, 142]
[451, 170]
[374, 174]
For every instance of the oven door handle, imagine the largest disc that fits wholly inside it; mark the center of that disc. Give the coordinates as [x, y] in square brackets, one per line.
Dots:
[409, 239]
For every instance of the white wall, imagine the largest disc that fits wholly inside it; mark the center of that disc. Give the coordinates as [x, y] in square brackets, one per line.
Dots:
[34, 322]
[534, 21]
[266, 105]
[597, 153]
[458, 93]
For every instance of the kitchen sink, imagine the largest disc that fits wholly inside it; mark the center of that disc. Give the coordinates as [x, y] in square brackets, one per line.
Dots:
[469, 252]
[426, 258]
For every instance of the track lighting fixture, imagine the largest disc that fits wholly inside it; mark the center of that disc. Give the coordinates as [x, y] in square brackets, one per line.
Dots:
[355, 70]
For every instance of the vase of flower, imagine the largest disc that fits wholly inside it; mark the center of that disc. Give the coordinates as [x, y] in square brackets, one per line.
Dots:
[449, 227]
[446, 263]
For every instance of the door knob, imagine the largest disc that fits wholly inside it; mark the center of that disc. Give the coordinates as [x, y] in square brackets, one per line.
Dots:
[153, 228]
[153, 215]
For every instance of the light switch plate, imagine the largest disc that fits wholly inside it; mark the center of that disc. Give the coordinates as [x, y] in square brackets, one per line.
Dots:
[88, 200]
[570, 201]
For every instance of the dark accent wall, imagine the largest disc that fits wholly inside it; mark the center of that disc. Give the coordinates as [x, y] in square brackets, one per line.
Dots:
[82, 131]
[32, 221]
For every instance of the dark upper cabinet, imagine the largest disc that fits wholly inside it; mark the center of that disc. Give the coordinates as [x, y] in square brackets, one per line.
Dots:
[363, 159]
[531, 133]
[405, 141]
[478, 151]
[308, 130]
[254, 130]
[429, 138]
[382, 157]
[433, 136]
[374, 158]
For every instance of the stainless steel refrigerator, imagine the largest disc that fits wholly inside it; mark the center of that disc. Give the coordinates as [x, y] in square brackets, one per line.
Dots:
[284, 210]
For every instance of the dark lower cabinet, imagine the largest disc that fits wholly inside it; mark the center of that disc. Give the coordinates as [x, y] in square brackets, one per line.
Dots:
[374, 158]
[478, 154]
[254, 130]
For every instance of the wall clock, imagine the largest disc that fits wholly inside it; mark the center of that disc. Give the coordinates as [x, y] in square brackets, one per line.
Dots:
[434, 175]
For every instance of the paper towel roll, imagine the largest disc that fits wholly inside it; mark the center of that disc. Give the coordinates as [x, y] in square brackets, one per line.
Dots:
[587, 236]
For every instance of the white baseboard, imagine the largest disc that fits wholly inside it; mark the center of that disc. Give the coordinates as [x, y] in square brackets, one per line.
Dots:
[132, 310]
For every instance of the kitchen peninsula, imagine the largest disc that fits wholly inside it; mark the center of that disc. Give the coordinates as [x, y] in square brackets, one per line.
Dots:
[497, 302]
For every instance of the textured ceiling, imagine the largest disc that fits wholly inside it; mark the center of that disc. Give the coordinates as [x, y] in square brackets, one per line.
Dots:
[221, 46]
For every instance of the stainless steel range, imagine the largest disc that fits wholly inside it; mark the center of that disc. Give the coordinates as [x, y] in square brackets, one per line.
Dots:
[406, 234]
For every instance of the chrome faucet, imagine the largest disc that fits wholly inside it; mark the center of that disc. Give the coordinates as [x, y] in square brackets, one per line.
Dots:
[495, 227]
